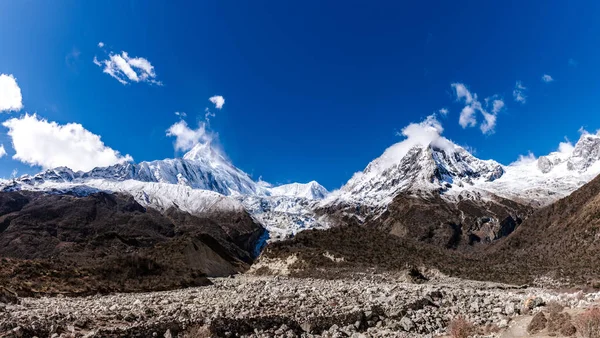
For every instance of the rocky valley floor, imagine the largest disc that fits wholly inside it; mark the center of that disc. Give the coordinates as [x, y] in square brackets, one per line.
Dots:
[275, 306]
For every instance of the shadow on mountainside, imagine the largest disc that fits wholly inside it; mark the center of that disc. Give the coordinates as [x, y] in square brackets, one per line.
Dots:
[52, 244]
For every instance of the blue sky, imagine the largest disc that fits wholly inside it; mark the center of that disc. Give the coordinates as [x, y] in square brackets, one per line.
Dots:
[313, 90]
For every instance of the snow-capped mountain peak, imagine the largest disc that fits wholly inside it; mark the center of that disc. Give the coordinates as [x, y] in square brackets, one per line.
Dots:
[205, 152]
[311, 190]
[585, 154]
[423, 169]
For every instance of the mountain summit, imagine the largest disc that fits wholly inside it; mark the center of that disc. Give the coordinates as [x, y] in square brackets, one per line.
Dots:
[202, 181]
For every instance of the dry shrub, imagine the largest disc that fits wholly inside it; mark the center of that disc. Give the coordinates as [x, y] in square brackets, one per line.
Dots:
[537, 324]
[489, 329]
[554, 307]
[197, 331]
[588, 323]
[460, 327]
[560, 323]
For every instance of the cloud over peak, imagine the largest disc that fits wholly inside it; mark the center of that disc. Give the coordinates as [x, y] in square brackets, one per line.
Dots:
[10, 94]
[49, 145]
[186, 138]
[127, 69]
[468, 115]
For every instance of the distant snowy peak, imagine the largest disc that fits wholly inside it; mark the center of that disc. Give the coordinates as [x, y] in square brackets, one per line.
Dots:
[201, 168]
[576, 160]
[205, 152]
[443, 168]
[585, 154]
[311, 190]
[424, 169]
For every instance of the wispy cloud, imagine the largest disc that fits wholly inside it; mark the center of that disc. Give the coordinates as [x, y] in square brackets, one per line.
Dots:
[186, 138]
[218, 101]
[180, 114]
[10, 94]
[208, 114]
[127, 69]
[443, 111]
[519, 92]
[48, 144]
[547, 78]
[468, 118]
[2, 151]
[100, 44]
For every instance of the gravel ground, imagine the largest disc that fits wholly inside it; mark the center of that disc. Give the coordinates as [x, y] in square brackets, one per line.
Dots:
[275, 306]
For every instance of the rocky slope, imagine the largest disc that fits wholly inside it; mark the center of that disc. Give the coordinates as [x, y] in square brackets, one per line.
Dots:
[560, 240]
[58, 243]
[379, 306]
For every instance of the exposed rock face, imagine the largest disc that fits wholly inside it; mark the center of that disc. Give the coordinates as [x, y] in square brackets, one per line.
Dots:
[544, 164]
[451, 225]
[112, 239]
[435, 220]
[585, 154]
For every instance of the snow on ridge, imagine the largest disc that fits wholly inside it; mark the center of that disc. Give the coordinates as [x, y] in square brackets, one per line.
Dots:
[200, 182]
[442, 167]
[311, 190]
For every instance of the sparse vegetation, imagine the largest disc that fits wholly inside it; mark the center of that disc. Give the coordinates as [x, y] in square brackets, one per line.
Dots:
[461, 327]
[554, 307]
[197, 331]
[588, 323]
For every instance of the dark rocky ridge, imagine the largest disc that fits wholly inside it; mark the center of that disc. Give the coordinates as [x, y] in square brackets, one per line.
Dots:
[560, 241]
[433, 220]
[53, 243]
[451, 225]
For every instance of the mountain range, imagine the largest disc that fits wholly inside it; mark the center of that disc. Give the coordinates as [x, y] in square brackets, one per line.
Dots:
[482, 198]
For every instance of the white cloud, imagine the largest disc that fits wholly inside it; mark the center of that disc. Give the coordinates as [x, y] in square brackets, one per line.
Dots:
[49, 144]
[463, 93]
[525, 159]
[425, 133]
[467, 117]
[100, 44]
[468, 114]
[180, 114]
[547, 78]
[10, 94]
[126, 69]
[218, 101]
[488, 125]
[519, 92]
[443, 111]
[497, 106]
[14, 173]
[186, 138]
[2, 151]
[208, 114]
[566, 148]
